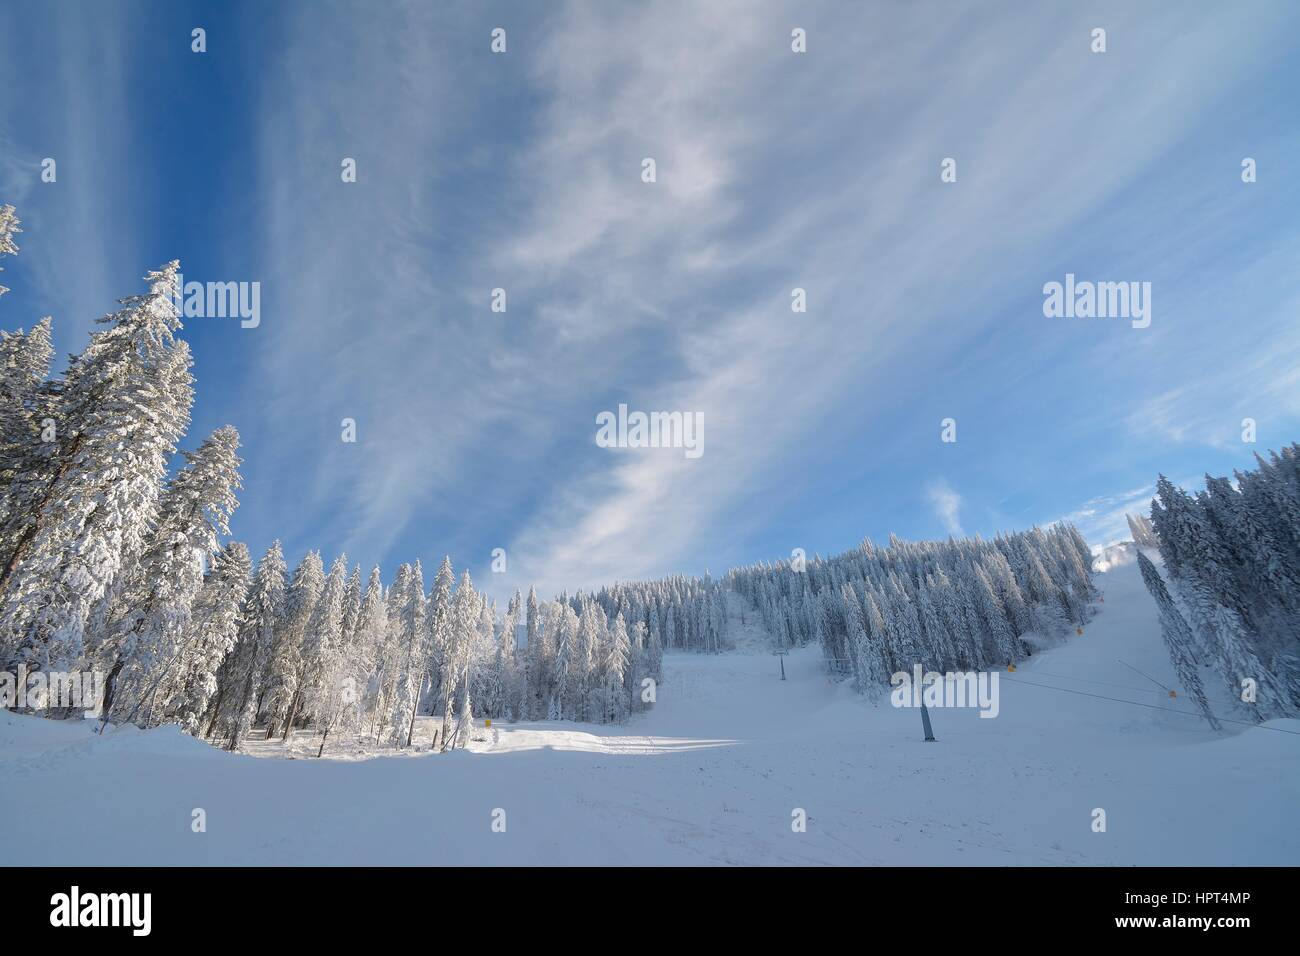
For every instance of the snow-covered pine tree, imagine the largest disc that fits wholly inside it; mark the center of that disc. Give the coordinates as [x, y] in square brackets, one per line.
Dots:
[1069, 570]
[532, 698]
[856, 639]
[973, 629]
[1049, 606]
[214, 622]
[827, 617]
[1178, 638]
[415, 655]
[1256, 542]
[8, 229]
[263, 613]
[465, 719]
[1234, 582]
[1003, 644]
[27, 402]
[395, 652]
[1144, 535]
[1173, 515]
[637, 664]
[1233, 655]
[592, 639]
[654, 630]
[1009, 592]
[372, 646]
[460, 638]
[285, 676]
[939, 650]
[654, 657]
[352, 615]
[669, 622]
[882, 643]
[904, 626]
[488, 680]
[867, 639]
[948, 601]
[564, 678]
[615, 672]
[124, 403]
[439, 620]
[329, 693]
[509, 673]
[1072, 537]
[147, 639]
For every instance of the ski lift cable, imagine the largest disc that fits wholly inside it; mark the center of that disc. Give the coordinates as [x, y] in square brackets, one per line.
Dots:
[1147, 676]
[1136, 703]
[1086, 680]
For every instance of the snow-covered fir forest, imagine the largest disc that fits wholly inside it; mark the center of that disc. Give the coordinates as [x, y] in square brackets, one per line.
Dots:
[110, 565]
[954, 605]
[1231, 554]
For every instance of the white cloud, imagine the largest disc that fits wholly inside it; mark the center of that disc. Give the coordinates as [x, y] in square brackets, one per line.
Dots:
[78, 247]
[1103, 520]
[947, 506]
[868, 241]
[667, 296]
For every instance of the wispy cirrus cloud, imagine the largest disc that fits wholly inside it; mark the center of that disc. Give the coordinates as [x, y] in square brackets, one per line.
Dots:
[868, 243]
[1103, 520]
[64, 98]
[775, 171]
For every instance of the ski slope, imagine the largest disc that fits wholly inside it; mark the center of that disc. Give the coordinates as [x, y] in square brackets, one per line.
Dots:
[710, 777]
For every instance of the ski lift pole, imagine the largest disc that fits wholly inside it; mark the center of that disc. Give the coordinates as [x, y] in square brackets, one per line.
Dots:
[781, 657]
[925, 723]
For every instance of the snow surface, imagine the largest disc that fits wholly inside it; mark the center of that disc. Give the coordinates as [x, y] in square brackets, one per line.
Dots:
[711, 776]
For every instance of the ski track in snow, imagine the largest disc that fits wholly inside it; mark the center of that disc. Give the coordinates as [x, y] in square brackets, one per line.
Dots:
[711, 776]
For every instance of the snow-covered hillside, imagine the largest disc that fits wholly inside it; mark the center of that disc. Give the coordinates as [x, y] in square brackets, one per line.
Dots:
[711, 776]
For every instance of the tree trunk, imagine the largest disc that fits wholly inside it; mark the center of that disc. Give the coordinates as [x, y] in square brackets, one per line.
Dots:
[216, 709]
[410, 731]
[109, 681]
[293, 712]
[239, 713]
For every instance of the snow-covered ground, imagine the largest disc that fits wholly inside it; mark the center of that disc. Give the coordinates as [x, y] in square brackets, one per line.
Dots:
[711, 776]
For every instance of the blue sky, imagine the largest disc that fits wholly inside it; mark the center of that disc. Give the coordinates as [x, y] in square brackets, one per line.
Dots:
[476, 430]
